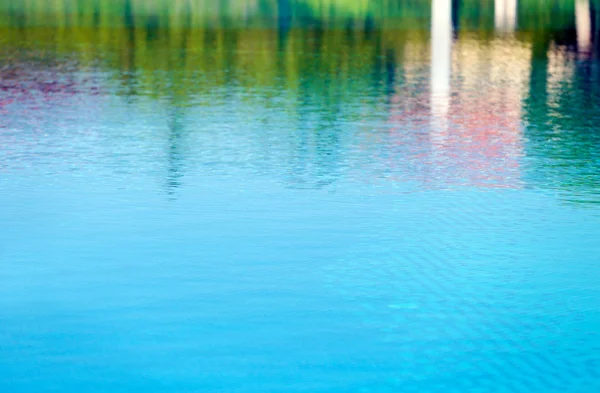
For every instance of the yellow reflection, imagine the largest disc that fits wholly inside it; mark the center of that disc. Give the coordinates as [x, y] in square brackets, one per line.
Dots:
[486, 111]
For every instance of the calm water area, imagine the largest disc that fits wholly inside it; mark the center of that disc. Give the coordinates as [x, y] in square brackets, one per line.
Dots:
[300, 196]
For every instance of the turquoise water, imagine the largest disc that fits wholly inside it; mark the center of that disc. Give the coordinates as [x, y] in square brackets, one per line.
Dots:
[301, 201]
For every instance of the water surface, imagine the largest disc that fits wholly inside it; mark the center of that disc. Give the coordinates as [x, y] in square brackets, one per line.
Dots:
[299, 196]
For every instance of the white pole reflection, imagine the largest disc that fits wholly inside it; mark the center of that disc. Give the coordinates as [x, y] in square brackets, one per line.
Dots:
[583, 24]
[441, 55]
[505, 15]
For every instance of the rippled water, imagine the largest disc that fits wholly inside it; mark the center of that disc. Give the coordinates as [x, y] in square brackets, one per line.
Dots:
[299, 196]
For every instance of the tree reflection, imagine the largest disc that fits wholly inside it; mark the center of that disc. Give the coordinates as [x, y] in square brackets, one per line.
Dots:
[351, 73]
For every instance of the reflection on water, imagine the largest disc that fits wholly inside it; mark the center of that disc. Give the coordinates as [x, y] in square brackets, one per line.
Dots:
[299, 195]
[505, 15]
[334, 70]
[583, 22]
[441, 49]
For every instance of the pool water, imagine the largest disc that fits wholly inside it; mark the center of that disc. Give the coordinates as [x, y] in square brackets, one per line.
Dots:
[299, 196]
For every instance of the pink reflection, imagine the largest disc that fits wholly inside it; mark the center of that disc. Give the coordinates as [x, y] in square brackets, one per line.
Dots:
[474, 134]
[40, 100]
[27, 85]
[484, 141]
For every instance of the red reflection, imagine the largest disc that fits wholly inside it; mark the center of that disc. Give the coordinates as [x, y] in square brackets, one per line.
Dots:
[470, 137]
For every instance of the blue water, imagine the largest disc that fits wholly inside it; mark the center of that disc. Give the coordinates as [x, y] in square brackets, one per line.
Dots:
[167, 230]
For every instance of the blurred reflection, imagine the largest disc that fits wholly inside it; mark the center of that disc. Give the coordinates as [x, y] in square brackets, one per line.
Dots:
[583, 21]
[505, 15]
[319, 91]
[441, 53]
[486, 134]
[176, 143]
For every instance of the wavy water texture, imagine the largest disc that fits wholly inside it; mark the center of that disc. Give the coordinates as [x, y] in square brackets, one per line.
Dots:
[299, 196]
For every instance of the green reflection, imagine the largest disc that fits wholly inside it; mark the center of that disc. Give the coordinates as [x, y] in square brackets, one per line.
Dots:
[327, 56]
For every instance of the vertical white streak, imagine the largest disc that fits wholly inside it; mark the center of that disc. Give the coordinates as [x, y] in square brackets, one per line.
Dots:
[505, 15]
[583, 24]
[511, 15]
[441, 53]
